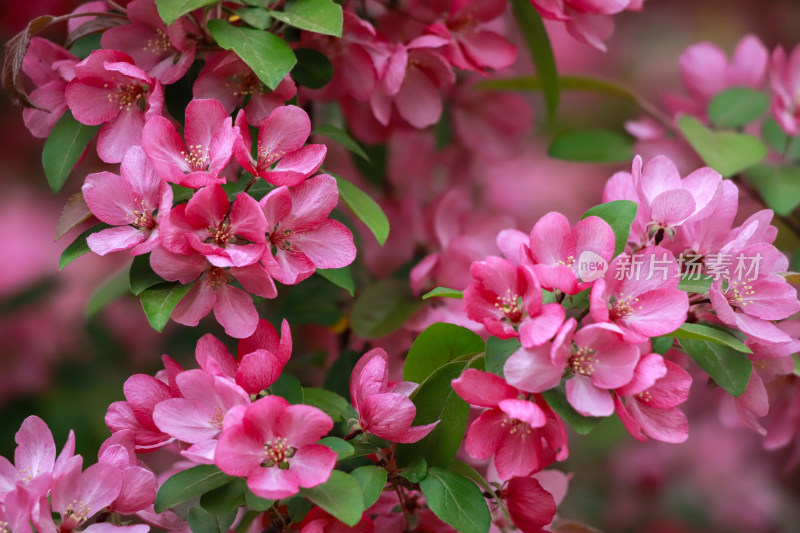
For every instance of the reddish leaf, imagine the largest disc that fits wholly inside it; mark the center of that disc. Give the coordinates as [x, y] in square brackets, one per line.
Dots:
[16, 48]
[75, 211]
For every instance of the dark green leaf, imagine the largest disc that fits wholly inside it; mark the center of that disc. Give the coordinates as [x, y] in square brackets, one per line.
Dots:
[341, 137]
[298, 509]
[662, 344]
[779, 186]
[268, 55]
[708, 333]
[226, 498]
[727, 367]
[79, 246]
[256, 17]
[288, 388]
[63, 149]
[435, 400]
[342, 448]
[372, 480]
[498, 351]
[416, 470]
[313, 69]
[619, 214]
[189, 484]
[726, 152]
[440, 343]
[114, 288]
[595, 146]
[465, 470]
[142, 276]
[557, 400]
[319, 16]
[171, 10]
[159, 301]
[340, 496]
[340, 277]
[382, 308]
[691, 282]
[257, 503]
[365, 208]
[443, 292]
[202, 521]
[532, 28]
[331, 403]
[456, 500]
[338, 378]
[737, 107]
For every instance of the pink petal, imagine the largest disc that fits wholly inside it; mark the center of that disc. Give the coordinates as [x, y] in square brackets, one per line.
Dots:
[485, 433]
[119, 134]
[258, 370]
[239, 452]
[531, 370]
[285, 130]
[235, 311]
[197, 303]
[115, 239]
[483, 388]
[419, 101]
[587, 399]
[274, 483]
[312, 464]
[538, 329]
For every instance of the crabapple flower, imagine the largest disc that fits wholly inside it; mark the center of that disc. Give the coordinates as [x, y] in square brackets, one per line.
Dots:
[164, 52]
[281, 142]
[301, 235]
[530, 506]
[51, 68]
[648, 404]
[272, 444]
[588, 21]
[524, 436]
[139, 485]
[210, 138]
[227, 235]
[109, 89]
[318, 521]
[127, 201]
[384, 411]
[507, 299]
[784, 75]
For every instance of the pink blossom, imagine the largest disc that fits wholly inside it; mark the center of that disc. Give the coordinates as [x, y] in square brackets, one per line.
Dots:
[507, 299]
[384, 411]
[273, 445]
[318, 521]
[210, 139]
[524, 436]
[109, 89]
[229, 80]
[51, 68]
[281, 142]
[139, 485]
[301, 235]
[530, 506]
[127, 201]
[163, 52]
[227, 235]
[588, 21]
[784, 75]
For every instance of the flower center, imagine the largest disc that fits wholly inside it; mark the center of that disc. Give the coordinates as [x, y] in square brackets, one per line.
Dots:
[645, 396]
[266, 157]
[569, 262]
[221, 234]
[510, 305]
[76, 514]
[216, 278]
[142, 218]
[739, 292]
[582, 360]
[217, 418]
[196, 157]
[126, 96]
[276, 452]
[159, 44]
[282, 239]
[515, 426]
[623, 308]
[246, 84]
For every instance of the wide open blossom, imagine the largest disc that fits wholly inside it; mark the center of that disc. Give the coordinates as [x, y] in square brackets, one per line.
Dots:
[281, 142]
[301, 235]
[273, 445]
[524, 436]
[384, 411]
[109, 89]
[164, 52]
[129, 202]
[51, 68]
[210, 139]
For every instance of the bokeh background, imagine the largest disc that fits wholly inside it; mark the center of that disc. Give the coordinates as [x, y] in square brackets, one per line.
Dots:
[63, 360]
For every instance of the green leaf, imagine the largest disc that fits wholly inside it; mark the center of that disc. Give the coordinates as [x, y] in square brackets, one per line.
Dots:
[341, 137]
[257, 503]
[729, 368]
[319, 16]
[331, 403]
[662, 344]
[171, 10]
[287, 387]
[737, 107]
[565, 83]
[63, 149]
[202, 521]
[465, 470]
[691, 282]
[416, 470]
[341, 277]
[777, 139]
[256, 17]
[382, 308]
[619, 214]
[159, 301]
[435, 400]
[189, 484]
[79, 246]
[440, 343]
[342, 448]
[778, 185]
[141, 275]
[557, 400]
[532, 28]
[114, 288]
[726, 152]
[268, 55]
[703, 332]
[226, 498]
[372, 480]
[456, 500]
[498, 351]
[365, 208]
[313, 69]
[592, 146]
[444, 292]
[340, 496]
[298, 509]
